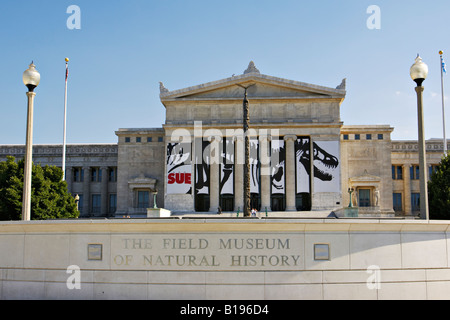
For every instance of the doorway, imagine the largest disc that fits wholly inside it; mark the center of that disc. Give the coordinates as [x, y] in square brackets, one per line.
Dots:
[364, 198]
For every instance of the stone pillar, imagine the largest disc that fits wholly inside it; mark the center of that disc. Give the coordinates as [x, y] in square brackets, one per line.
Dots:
[264, 147]
[86, 190]
[290, 172]
[407, 189]
[239, 173]
[214, 178]
[104, 191]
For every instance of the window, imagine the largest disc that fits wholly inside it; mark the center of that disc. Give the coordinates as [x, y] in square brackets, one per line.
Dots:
[380, 136]
[127, 140]
[160, 139]
[432, 169]
[112, 203]
[112, 174]
[368, 136]
[138, 139]
[398, 202]
[414, 172]
[357, 136]
[415, 201]
[96, 203]
[143, 199]
[345, 136]
[397, 173]
[78, 174]
[96, 175]
[149, 139]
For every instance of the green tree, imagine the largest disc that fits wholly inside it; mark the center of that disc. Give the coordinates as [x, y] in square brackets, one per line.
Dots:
[439, 191]
[49, 196]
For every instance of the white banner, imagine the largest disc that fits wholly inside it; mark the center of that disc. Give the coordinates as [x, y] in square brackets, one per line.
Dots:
[278, 167]
[303, 165]
[327, 177]
[227, 167]
[254, 166]
[179, 168]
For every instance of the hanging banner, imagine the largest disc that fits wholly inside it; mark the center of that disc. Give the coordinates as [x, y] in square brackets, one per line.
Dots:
[179, 168]
[227, 167]
[278, 167]
[303, 164]
[202, 164]
[327, 177]
[254, 166]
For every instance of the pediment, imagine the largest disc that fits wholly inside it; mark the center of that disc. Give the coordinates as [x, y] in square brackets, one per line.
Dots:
[142, 182]
[263, 87]
[366, 177]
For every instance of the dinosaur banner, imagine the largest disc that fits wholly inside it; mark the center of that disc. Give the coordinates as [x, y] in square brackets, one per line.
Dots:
[179, 168]
[254, 166]
[303, 165]
[327, 176]
[202, 166]
[278, 167]
[326, 155]
[227, 166]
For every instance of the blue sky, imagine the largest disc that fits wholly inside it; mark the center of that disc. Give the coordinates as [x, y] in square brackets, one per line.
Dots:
[124, 48]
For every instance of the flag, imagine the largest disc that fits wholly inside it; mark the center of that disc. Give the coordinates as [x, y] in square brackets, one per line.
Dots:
[444, 66]
[67, 71]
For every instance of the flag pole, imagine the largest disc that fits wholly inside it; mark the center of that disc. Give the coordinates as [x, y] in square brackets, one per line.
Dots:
[65, 122]
[443, 101]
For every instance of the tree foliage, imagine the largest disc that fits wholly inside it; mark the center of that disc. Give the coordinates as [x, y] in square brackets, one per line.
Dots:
[439, 191]
[49, 196]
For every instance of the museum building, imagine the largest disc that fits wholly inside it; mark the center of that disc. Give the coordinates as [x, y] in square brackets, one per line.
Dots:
[302, 156]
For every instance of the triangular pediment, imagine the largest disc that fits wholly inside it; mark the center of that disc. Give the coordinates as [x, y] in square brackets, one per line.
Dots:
[366, 177]
[260, 87]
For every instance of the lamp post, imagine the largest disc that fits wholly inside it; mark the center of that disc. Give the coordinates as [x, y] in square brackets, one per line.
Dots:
[31, 79]
[419, 72]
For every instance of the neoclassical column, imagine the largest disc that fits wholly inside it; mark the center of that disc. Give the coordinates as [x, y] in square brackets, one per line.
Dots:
[69, 179]
[214, 175]
[86, 190]
[290, 172]
[264, 147]
[239, 173]
[407, 188]
[104, 191]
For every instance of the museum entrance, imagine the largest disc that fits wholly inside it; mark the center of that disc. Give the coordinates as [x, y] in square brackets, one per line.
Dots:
[227, 202]
[278, 202]
[364, 197]
[303, 202]
[202, 203]
[255, 201]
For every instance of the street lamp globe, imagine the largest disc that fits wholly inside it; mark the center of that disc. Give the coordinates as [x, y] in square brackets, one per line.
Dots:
[31, 77]
[419, 71]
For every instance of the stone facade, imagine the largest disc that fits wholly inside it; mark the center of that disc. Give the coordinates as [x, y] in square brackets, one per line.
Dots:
[91, 173]
[303, 157]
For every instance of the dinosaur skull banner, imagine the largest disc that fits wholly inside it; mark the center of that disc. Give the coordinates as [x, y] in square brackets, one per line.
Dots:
[325, 157]
[303, 164]
[326, 166]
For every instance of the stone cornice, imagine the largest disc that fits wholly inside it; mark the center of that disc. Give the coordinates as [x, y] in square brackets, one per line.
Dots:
[179, 225]
[249, 78]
